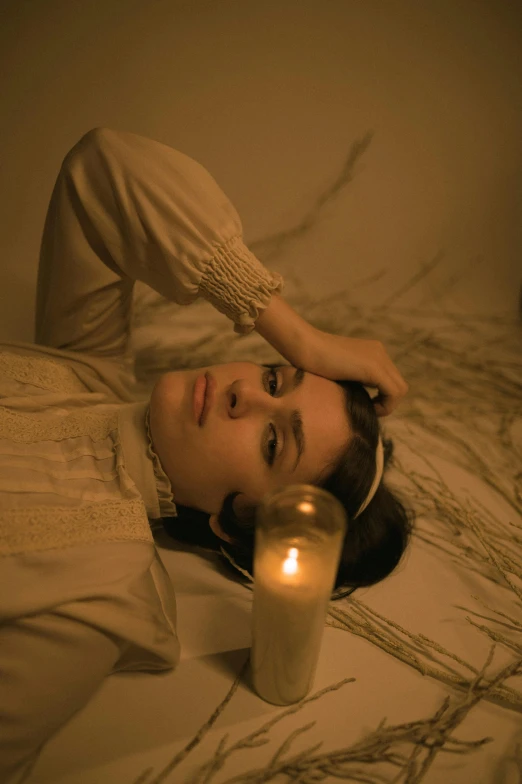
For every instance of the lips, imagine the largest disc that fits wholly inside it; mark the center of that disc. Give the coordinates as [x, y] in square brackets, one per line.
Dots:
[204, 390]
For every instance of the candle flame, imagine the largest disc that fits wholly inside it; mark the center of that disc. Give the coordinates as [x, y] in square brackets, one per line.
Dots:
[290, 566]
[306, 507]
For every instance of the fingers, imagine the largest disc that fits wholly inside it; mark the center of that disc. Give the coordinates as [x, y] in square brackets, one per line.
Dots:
[391, 385]
[384, 406]
[392, 371]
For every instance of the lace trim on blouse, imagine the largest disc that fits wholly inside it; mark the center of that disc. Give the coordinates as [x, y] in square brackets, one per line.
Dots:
[163, 486]
[38, 528]
[44, 373]
[31, 428]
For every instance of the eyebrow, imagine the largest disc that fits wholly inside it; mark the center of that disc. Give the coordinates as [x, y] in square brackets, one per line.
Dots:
[296, 419]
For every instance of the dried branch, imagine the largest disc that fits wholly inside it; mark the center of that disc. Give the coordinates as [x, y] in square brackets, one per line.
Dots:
[450, 360]
[383, 745]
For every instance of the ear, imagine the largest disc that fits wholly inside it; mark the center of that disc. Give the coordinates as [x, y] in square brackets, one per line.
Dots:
[213, 522]
[241, 505]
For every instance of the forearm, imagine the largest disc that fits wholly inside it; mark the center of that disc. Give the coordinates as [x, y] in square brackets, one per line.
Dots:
[286, 331]
[336, 357]
[51, 666]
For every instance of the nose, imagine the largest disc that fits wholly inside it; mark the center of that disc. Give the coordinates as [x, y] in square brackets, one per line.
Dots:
[244, 398]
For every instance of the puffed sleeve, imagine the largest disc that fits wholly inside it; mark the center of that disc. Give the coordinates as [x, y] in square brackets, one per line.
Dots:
[50, 666]
[125, 208]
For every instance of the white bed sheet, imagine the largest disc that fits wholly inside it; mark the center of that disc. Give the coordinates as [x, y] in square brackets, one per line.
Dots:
[451, 432]
[137, 721]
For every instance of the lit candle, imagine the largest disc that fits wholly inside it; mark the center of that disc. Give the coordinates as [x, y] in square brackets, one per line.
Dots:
[299, 535]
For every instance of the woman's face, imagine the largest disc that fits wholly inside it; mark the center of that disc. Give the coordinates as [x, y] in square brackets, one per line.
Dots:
[247, 442]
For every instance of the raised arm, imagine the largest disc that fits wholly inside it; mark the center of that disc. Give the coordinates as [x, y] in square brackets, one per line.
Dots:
[127, 208]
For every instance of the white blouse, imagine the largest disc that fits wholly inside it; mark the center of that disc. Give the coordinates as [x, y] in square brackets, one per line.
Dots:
[83, 591]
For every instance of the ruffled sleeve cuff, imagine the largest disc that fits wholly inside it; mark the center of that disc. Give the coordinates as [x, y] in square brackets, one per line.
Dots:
[238, 285]
[164, 489]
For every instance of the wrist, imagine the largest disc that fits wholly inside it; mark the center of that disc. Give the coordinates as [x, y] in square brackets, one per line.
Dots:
[286, 331]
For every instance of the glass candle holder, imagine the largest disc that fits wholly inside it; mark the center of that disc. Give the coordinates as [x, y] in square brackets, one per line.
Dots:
[299, 535]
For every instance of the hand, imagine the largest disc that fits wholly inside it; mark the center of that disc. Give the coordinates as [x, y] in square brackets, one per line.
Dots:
[333, 356]
[342, 358]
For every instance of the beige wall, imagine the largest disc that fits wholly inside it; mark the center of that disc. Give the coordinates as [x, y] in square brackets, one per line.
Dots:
[271, 97]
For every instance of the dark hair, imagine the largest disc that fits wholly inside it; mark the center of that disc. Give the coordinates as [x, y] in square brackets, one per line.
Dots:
[374, 543]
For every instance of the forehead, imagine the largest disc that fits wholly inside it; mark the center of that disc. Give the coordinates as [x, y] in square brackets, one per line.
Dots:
[325, 425]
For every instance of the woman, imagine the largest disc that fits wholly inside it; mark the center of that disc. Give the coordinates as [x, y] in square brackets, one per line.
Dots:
[86, 468]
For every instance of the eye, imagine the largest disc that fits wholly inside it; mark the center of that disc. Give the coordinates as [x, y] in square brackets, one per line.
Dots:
[272, 378]
[271, 447]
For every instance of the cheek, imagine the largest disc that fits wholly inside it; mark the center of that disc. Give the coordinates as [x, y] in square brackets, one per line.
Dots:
[233, 451]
